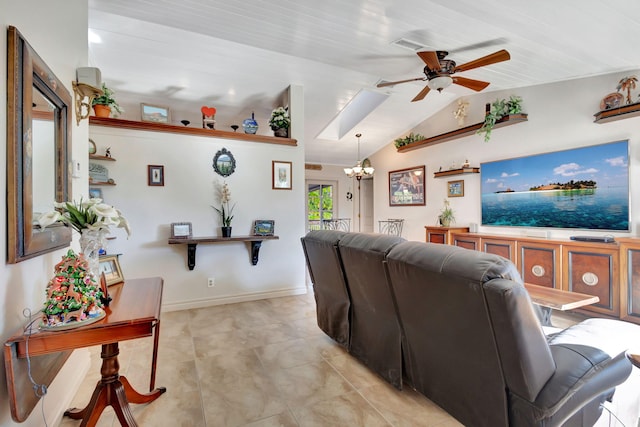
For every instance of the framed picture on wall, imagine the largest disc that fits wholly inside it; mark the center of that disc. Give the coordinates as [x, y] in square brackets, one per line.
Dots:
[281, 175]
[406, 187]
[155, 175]
[455, 188]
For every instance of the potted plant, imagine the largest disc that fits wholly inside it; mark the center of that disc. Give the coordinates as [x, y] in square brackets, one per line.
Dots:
[499, 109]
[412, 137]
[225, 211]
[446, 217]
[104, 104]
[280, 122]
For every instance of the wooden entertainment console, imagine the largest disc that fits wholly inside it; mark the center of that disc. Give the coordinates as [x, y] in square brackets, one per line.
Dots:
[610, 271]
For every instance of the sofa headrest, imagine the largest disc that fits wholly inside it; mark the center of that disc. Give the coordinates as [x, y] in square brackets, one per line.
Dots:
[370, 242]
[331, 237]
[453, 260]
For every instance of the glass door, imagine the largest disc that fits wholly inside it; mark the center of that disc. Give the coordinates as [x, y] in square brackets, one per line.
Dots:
[320, 203]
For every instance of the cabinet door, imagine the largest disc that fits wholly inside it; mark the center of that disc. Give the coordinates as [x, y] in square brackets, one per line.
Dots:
[540, 263]
[504, 247]
[467, 242]
[630, 292]
[593, 271]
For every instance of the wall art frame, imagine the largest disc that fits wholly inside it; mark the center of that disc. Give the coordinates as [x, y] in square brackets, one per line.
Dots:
[281, 175]
[407, 187]
[155, 113]
[155, 175]
[455, 188]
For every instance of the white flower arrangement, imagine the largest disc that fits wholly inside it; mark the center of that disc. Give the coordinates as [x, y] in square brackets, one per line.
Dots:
[224, 210]
[91, 214]
[280, 119]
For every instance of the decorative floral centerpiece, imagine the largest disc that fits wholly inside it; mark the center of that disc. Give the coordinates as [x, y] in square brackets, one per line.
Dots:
[225, 211]
[73, 294]
[280, 121]
[92, 219]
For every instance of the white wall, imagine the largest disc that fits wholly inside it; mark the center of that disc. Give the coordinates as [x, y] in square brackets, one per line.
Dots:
[58, 33]
[560, 117]
[187, 196]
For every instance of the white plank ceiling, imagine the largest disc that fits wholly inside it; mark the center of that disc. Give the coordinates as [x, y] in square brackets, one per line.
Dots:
[240, 55]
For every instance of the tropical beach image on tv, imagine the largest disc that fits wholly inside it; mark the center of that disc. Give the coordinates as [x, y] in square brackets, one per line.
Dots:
[582, 188]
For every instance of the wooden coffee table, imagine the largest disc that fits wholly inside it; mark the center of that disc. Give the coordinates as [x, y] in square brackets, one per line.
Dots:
[555, 299]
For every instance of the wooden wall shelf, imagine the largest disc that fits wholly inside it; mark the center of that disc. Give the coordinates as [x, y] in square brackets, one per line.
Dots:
[101, 183]
[624, 112]
[192, 243]
[97, 157]
[459, 133]
[460, 171]
[211, 133]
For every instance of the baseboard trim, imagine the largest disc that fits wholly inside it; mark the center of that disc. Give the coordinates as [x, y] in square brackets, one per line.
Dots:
[253, 296]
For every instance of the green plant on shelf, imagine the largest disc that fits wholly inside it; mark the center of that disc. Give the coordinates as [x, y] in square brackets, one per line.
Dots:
[499, 108]
[412, 137]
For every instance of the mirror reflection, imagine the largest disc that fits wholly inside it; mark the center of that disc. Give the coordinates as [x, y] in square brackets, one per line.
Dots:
[43, 152]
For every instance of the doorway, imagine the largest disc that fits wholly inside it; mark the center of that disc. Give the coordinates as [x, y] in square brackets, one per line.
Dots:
[321, 203]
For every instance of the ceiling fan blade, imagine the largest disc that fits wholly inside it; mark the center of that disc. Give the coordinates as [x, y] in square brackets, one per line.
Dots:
[472, 84]
[385, 84]
[431, 59]
[422, 94]
[499, 56]
[486, 43]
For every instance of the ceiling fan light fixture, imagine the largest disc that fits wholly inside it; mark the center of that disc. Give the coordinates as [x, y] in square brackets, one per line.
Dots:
[440, 82]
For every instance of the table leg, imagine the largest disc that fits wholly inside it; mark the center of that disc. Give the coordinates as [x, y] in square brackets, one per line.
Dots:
[112, 390]
[546, 316]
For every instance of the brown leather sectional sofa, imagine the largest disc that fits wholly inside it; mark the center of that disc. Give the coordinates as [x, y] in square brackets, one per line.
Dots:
[459, 327]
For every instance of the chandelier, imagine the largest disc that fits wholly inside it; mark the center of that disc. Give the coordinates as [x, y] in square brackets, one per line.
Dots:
[362, 167]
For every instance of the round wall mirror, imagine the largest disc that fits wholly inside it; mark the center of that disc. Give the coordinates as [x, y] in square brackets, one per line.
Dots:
[224, 163]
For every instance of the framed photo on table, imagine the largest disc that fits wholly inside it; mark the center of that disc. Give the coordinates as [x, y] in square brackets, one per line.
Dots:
[110, 267]
[181, 230]
[455, 188]
[281, 175]
[406, 187]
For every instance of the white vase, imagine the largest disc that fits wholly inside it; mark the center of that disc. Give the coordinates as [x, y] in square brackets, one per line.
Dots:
[91, 241]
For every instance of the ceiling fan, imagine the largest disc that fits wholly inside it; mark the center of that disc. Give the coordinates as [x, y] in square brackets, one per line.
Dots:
[438, 71]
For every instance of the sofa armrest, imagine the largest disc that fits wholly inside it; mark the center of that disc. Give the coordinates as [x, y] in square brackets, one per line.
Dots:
[582, 374]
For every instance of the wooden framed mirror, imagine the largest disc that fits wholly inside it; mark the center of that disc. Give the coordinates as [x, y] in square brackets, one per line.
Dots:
[38, 151]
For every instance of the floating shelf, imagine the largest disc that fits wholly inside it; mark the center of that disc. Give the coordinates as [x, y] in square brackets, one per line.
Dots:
[97, 157]
[101, 183]
[459, 133]
[613, 114]
[460, 171]
[211, 133]
[192, 243]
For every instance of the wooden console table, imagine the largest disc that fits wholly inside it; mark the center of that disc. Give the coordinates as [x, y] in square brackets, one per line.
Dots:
[556, 299]
[133, 313]
[192, 243]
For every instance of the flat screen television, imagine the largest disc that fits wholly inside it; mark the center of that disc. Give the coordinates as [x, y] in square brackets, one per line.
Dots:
[581, 188]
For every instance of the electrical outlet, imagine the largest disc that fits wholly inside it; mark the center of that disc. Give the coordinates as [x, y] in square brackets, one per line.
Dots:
[211, 282]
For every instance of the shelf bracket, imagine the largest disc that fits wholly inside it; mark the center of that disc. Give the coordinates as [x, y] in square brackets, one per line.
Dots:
[191, 255]
[255, 250]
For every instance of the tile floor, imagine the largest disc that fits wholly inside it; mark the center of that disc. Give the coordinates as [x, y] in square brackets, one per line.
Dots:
[260, 363]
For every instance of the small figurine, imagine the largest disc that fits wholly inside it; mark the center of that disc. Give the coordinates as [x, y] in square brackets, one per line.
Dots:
[466, 164]
[208, 117]
[107, 152]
